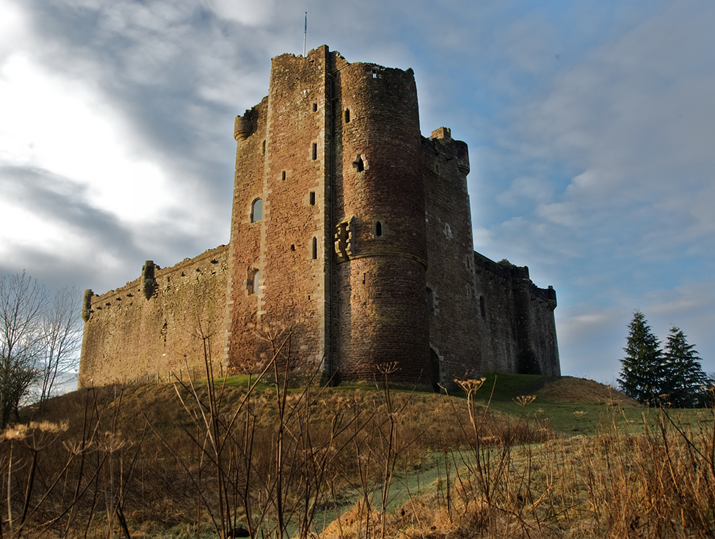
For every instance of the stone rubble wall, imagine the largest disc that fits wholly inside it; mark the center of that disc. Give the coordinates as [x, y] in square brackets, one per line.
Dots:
[129, 337]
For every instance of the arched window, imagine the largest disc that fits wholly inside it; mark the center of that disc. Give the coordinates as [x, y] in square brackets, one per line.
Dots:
[252, 283]
[378, 229]
[256, 210]
[315, 248]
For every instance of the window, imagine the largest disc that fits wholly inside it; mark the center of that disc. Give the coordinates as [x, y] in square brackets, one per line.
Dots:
[315, 151]
[252, 282]
[256, 210]
[347, 116]
[315, 248]
[483, 306]
[378, 229]
[359, 164]
[283, 175]
[315, 107]
[263, 151]
[312, 198]
[429, 296]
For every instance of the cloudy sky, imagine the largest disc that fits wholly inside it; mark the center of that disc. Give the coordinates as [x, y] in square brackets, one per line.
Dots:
[591, 127]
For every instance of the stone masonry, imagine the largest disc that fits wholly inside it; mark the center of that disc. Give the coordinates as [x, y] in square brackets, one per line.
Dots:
[349, 228]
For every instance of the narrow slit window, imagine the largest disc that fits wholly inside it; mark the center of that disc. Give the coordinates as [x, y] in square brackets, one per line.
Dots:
[283, 175]
[263, 150]
[312, 198]
[315, 107]
[315, 151]
[347, 116]
[429, 297]
[256, 277]
[359, 164]
[482, 306]
[378, 229]
[256, 210]
[252, 285]
[315, 248]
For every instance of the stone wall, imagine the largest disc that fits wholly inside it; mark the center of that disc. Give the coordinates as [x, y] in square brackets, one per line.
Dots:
[456, 331]
[282, 162]
[380, 315]
[129, 336]
[521, 335]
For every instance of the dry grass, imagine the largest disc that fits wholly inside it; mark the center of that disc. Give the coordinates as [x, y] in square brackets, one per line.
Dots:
[579, 390]
[136, 462]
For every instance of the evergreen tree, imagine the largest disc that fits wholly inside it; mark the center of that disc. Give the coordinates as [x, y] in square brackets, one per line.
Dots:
[642, 370]
[684, 376]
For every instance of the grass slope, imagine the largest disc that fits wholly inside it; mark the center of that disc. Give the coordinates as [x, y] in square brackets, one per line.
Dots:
[585, 431]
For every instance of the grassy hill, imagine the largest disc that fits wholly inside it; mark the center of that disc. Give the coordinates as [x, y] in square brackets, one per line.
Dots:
[579, 460]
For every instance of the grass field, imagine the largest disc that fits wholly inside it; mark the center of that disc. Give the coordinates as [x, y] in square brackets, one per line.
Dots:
[580, 460]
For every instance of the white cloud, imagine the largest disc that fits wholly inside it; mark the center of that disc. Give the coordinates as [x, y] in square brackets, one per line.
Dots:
[248, 12]
[482, 238]
[13, 27]
[531, 188]
[64, 127]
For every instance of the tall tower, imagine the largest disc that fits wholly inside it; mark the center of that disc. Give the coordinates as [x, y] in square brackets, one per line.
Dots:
[379, 312]
[328, 222]
[279, 251]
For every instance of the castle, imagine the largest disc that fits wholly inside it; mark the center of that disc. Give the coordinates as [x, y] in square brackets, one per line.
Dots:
[350, 228]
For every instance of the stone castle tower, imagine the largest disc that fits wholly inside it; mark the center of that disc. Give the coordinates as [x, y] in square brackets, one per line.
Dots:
[351, 228]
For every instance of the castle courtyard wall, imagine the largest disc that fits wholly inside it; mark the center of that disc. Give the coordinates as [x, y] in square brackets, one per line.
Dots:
[129, 337]
[521, 335]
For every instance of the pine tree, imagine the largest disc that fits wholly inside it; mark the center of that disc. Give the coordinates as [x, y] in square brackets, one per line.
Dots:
[642, 369]
[684, 376]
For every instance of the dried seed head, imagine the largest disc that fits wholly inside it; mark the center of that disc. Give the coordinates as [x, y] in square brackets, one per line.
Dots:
[16, 432]
[49, 427]
[524, 400]
[470, 386]
[387, 368]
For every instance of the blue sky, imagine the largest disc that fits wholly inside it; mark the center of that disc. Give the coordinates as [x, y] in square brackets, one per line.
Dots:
[591, 127]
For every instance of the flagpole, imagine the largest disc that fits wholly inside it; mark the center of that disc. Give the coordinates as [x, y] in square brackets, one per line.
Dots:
[305, 31]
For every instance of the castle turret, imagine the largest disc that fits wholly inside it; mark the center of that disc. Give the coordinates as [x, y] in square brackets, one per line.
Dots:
[379, 217]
